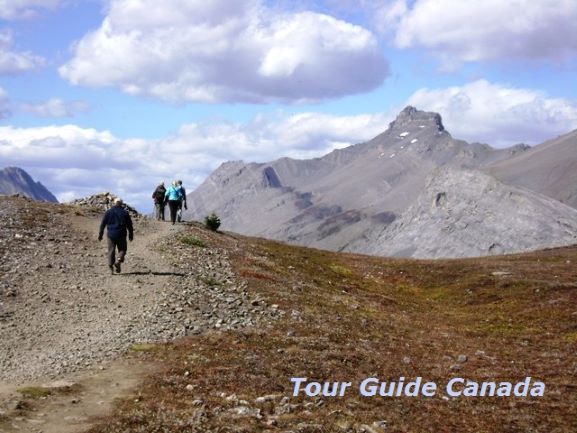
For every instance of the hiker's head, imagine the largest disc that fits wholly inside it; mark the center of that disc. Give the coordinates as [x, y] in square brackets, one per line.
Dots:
[161, 183]
[117, 201]
[179, 182]
[174, 183]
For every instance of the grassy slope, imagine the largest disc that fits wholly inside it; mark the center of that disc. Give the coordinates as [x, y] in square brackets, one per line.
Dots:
[349, 317]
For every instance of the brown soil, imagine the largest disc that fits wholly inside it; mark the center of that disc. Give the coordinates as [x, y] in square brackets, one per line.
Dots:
[349, 317]
[75, 401]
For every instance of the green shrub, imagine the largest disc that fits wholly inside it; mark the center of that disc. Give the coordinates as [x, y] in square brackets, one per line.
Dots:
[191, 240]
[341, 270]
[144, 347]
[209, 281]
[34, 392]
[212, 222]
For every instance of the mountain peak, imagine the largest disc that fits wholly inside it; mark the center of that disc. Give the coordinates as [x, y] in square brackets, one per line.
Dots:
[411, 116]
[17, 171]
[14, 180]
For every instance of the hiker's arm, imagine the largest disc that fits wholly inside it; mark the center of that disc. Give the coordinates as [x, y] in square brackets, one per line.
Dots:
[129, 227]
[102, 225]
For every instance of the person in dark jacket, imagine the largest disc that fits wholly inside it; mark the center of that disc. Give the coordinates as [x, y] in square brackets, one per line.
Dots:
[181, 202]
[119, 223]
[159, 203]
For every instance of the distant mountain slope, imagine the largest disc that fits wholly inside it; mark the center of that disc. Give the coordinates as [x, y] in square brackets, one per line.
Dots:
[14, 180]
[345, 200]
[468, 213]
[331, 202]
[549, 168]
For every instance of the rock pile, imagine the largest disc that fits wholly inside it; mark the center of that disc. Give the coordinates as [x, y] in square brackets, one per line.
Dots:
[102, 202]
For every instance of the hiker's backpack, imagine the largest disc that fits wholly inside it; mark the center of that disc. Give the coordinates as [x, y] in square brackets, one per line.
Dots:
[159, 195]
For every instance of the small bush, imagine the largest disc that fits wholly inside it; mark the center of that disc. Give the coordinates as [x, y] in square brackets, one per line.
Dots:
[191, 240]
[34, 392]
[144, 347]
[341, 270]
[209, 281]
[212, 222]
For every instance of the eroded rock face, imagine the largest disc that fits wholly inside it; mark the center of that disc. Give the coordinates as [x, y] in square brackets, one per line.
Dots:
[465, 213]
[14, 180]
[410, 115]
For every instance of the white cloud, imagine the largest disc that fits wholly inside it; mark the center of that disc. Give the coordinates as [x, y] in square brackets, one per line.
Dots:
[55, 108]
[498, 114]
[15, 9]
[462, 31]
[222, 51]
[303, 135]
[58, 146]
[15, 62]
[75, 162]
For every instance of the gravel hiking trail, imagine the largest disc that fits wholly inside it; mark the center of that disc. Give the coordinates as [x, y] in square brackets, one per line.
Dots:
[64, 319]
[69, 312]
[70, 332]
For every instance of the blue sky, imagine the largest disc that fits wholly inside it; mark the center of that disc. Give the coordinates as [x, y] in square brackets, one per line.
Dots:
[119, 94]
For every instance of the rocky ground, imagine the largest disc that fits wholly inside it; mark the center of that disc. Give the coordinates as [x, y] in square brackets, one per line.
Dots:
[257, 313]
[61, 310]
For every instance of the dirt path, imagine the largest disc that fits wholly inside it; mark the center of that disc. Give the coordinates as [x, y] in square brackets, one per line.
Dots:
[70, 320]
[75, 400]
[71, 313]
[63, 316]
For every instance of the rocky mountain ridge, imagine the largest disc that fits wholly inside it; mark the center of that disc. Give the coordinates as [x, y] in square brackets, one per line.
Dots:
[344, 200]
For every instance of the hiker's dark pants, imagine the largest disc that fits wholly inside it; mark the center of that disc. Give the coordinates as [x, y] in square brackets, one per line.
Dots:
[173, 204]
[113, 244]
[179, 211]
[159, 211]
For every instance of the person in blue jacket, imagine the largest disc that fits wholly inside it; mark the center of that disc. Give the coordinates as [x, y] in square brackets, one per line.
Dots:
[173, 197]
[119, 223]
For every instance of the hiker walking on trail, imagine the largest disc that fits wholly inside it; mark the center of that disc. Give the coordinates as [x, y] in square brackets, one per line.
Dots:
[173, 196]
[119, 223]
[159, 204]
[181, 202]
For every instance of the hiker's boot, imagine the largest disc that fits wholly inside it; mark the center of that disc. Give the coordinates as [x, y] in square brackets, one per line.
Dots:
[117, 266]
[111, 269]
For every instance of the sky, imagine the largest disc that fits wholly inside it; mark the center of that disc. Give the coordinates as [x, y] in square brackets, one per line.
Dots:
[118, 95]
